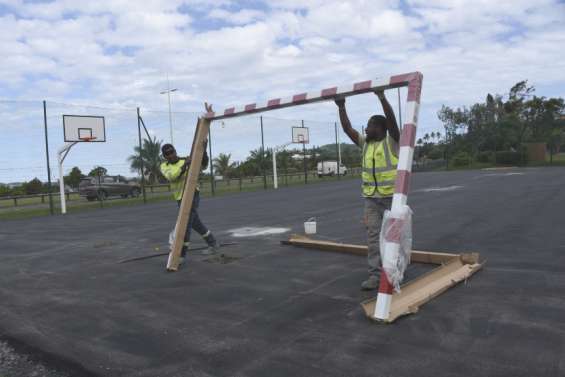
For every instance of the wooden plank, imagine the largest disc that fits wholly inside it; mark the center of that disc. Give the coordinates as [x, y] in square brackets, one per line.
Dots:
[419, 291]
[361, 250]
[191, 180]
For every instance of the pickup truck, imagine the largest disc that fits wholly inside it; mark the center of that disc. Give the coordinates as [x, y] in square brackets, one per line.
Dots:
[105, 186]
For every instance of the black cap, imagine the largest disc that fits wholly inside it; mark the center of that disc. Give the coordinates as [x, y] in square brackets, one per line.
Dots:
[167, 148]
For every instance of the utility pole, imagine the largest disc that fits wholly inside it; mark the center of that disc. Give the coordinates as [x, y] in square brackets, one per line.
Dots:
[168, 92]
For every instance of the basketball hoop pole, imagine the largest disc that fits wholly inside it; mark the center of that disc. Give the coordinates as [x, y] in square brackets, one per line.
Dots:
[275, 150]
[61, 154]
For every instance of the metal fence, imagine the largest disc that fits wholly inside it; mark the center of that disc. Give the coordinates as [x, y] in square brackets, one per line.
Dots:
[32, 133]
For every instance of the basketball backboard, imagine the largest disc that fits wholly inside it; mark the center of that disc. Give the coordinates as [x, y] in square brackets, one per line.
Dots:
[83, 128]
[300, 135]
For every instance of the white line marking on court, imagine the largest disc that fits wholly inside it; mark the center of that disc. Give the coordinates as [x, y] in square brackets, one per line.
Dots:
[499, 174]
[447, 188]
[256, 231]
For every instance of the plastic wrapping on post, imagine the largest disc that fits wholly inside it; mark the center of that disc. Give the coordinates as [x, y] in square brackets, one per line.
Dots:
[397, 230]
[172, 238]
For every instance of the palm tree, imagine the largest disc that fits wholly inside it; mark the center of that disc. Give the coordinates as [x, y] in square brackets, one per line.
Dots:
[426, 137]
[223, 166]
[151, 157]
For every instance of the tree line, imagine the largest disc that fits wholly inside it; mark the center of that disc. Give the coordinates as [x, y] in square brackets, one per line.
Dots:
[498, 129]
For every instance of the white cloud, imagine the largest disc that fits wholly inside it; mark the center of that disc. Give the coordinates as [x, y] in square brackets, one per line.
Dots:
[112, 53]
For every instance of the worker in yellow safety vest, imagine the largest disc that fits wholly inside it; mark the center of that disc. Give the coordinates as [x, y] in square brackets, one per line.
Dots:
[379, 162]
[174, 169]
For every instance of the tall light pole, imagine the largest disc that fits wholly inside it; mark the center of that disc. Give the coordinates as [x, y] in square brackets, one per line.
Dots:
[168, 92]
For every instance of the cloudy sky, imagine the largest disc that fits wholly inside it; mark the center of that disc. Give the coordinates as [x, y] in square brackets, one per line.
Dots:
[117, 54]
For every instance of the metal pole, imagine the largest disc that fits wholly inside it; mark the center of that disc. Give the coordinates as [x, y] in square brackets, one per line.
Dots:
[51, 211]
[275, 178]
[141, 157]
[170, 115]
[211, 160]
[304, 159]
[337, 151]
[62, 187]
[263, 155]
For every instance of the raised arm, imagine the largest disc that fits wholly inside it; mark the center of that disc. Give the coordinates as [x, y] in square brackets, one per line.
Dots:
[345, 123]
[391, 124]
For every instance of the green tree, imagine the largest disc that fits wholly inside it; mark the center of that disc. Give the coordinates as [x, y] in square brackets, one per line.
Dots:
[223, 166]
[33, 187]
[150, 155]
[74, 177]
[98, 171]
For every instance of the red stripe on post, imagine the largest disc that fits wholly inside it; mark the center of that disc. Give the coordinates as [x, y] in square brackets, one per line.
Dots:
[329, 92]
[393, 230]
[362, 85]
[415, 90]
[250, 107]
[402, 184]
[408, 137]
[384, 285]
[299, 97]
[274, 102]
[229, 111]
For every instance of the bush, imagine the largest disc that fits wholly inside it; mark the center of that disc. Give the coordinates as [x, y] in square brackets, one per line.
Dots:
[510, 158]
[484, 156]
[461, 159]
[436, 153]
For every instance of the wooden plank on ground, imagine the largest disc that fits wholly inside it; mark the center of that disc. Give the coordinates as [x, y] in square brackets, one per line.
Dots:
[415, 257]
[197, 152]
[417, 292]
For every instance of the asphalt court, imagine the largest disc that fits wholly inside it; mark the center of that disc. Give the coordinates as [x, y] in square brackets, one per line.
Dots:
[278, 310]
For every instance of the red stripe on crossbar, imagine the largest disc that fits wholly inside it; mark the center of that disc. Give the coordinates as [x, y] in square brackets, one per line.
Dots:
[398, 79]
[250, 107]
[408, 137]
[329, 92]
[210, 114]
[229, 111]
[362, 85]
[299, 97]
[384, 284]
[402, 184]
[274, 102]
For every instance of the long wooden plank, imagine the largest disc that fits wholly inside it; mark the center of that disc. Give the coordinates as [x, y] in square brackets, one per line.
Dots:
[419, 291]
[191, 180]
[361, 250]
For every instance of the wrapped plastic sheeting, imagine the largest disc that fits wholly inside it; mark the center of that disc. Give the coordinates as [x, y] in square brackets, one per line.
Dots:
[172, 238]
[396, 244]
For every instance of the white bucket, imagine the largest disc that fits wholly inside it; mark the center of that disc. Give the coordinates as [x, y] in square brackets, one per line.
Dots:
[310, 226]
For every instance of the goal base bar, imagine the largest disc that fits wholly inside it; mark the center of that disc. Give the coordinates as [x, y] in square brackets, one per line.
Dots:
[452, 269]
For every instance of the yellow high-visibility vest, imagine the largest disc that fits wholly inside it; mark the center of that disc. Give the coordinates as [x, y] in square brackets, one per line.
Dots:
[379, 169]
[173, 174]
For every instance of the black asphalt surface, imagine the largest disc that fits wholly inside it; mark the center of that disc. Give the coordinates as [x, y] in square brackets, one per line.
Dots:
[277, 310]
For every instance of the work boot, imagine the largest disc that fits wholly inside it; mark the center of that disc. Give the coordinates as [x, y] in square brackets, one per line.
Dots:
[212, 244]
[371, 283]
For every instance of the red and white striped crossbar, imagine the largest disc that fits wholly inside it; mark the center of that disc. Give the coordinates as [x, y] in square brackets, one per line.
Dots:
[412, 80]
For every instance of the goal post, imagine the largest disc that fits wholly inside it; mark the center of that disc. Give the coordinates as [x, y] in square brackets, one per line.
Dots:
[411, 80]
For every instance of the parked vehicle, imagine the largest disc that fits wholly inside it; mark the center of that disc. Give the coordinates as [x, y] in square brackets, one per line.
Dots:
[329, 168]
[105, 186]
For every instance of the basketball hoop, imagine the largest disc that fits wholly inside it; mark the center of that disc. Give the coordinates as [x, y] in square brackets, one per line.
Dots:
[87, 138]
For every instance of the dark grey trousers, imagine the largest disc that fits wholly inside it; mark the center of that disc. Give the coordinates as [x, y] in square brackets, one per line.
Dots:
[374, 211]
